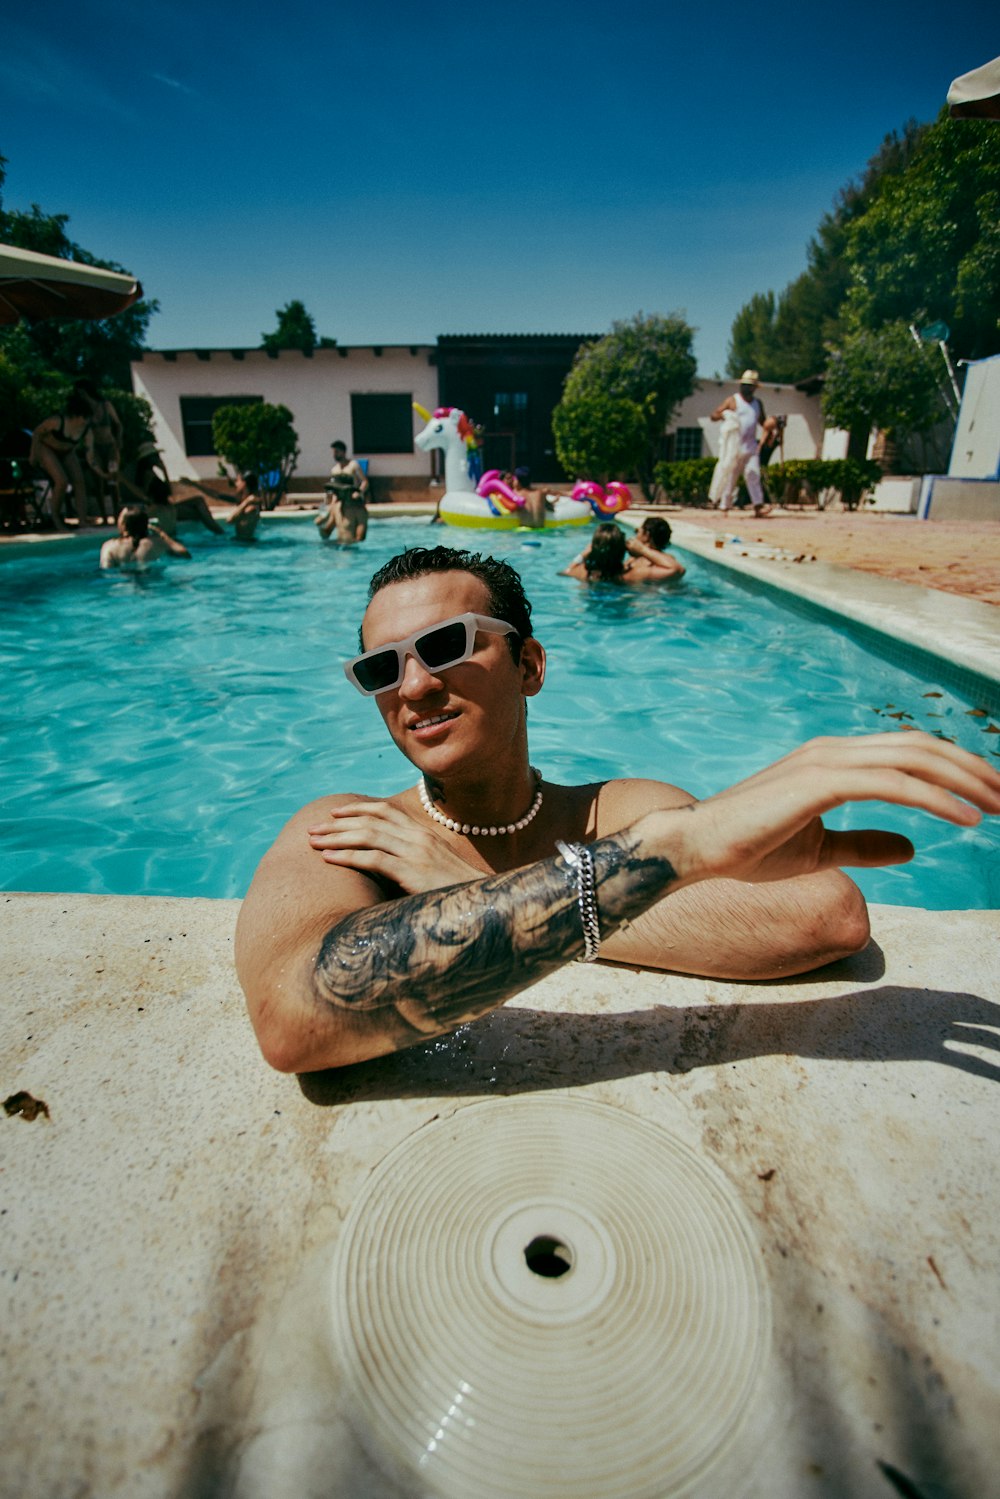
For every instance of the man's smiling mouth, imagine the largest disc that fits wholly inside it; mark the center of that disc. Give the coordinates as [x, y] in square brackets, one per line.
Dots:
[431, 720]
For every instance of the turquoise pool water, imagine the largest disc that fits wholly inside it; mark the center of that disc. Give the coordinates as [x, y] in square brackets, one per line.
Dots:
[158, 729]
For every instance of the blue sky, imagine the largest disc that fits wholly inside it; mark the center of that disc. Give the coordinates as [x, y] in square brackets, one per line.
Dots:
[408, 170]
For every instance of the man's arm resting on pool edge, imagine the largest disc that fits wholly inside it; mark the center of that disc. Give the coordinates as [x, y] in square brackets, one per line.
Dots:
[392, 973]
[370, 978]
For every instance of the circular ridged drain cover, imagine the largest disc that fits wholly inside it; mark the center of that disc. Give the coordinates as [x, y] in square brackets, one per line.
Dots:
[548, 1297]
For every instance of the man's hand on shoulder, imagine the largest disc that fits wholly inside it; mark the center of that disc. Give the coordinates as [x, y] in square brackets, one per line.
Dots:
[380, 839]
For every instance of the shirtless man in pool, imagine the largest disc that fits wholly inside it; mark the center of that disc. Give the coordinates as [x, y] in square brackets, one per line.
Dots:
[140, 542]
[375, 923]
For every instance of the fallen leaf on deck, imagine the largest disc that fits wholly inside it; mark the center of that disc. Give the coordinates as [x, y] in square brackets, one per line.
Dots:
[22, 1103]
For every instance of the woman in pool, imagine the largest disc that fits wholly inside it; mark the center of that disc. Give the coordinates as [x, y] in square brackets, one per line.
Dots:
[247, 513]
[611, 558]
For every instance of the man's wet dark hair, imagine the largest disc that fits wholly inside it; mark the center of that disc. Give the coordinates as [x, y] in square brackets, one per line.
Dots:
[507, 598]
[606, 558]
[251, 479]
[136, 522]
[658, 531]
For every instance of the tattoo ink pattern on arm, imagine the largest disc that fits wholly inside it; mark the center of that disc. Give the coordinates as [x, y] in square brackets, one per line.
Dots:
[429, 963]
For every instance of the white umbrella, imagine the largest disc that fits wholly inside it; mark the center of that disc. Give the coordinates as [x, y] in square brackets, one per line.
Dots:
[36, 286]
[977, 94]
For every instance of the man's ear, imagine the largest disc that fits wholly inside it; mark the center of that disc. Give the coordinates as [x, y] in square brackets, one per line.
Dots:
[532, 665]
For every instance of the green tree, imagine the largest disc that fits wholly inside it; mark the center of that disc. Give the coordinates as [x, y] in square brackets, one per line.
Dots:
[295, 330]
[102, 349]
[928, 248]
[883, 380]
[787, 336]
[258, 438]
[648, 363]
[598, 435]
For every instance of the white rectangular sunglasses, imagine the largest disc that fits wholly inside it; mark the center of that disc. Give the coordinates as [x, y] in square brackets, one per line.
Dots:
[436, 648]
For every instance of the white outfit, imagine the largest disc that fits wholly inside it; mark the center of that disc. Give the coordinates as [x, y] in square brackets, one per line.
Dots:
[745, 463]
[725, 475]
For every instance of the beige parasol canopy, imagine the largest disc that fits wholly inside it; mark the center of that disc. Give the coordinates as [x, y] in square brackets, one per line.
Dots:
[36, 286]
[977, 94]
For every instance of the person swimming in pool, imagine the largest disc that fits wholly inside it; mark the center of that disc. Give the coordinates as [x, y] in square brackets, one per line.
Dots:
[347, 488]
[244, 519]
[374, 923]
[612, 557]
[140, 542]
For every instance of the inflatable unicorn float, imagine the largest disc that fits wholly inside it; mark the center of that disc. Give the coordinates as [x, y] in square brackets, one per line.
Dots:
[472, 499]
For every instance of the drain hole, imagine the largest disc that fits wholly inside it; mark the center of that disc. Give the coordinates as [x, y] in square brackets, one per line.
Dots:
[548, 1257]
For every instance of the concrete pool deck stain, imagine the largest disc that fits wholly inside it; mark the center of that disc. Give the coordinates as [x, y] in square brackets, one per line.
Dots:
[171, 1224]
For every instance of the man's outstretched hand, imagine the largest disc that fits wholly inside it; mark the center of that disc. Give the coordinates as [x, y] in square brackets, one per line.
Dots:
[770, 826]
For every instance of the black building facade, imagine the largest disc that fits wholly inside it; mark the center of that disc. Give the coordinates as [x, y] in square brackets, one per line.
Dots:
[509, 384]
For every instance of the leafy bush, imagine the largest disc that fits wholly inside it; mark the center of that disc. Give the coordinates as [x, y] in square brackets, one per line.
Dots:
[260, 439]
[686, 481]
[646, 364]
[810, 480]
[597, 435]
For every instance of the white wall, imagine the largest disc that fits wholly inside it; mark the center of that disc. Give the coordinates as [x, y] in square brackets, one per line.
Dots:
[803, 433]
[316, 390]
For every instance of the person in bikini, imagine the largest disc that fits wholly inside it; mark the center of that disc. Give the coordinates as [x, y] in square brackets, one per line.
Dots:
[245, 517]
[57, 444]
[375, 923]
[347, 488]
[104, 448]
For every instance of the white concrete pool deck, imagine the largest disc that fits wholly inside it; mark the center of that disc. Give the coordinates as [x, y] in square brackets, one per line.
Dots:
[170, 1223]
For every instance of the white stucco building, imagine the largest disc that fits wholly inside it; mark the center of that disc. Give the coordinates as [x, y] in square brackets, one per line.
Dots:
[365, 394]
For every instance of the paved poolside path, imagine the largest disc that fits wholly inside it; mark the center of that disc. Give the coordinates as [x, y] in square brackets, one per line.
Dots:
[961, 557]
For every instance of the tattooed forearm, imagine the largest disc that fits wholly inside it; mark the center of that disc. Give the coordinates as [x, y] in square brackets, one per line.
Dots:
[446, 957]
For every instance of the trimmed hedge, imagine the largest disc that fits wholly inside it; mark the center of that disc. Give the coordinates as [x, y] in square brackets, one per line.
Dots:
[798, 481]
[810, 481]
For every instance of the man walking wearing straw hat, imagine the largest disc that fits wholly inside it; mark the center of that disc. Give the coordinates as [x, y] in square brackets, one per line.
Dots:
[745, 462]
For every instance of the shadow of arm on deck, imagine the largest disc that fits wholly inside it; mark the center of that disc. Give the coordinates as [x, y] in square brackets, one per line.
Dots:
[526, 1051]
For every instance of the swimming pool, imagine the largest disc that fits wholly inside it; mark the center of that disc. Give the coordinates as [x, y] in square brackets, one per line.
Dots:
[158, 729]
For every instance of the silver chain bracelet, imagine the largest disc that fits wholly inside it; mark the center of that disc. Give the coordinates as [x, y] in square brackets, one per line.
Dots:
[579, 857]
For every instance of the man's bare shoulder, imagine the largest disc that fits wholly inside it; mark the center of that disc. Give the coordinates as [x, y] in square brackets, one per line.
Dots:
[295, 895]
[622, 802]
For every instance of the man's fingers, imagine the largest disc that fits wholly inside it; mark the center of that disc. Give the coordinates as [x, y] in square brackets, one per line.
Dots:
[864, 848]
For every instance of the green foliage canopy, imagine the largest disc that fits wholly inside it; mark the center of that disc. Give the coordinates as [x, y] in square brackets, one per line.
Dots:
[644, 368]
[258, 438]
[786, 336]
[928, 248]
[884, 380]
[597, 435]
[295, 330]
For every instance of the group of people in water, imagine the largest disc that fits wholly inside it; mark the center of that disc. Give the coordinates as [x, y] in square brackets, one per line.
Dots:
[85, 440]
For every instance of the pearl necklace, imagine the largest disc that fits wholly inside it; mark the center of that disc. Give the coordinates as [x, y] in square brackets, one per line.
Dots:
[477, 832]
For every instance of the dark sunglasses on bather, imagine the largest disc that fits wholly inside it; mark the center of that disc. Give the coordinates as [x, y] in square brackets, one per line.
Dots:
[436, 648]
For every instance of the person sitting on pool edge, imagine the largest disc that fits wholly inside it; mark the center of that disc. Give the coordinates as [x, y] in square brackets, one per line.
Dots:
[139, 542]
[607, 560]
[374, 923]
